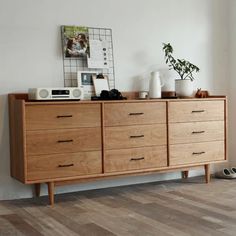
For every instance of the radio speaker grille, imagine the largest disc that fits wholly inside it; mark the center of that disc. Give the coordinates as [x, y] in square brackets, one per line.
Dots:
[77, 93]
[43, 93]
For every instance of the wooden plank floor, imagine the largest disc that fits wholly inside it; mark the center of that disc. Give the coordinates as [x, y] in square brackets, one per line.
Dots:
[178, 208]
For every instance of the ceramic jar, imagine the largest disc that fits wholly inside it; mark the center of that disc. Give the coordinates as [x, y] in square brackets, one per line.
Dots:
[184, 88]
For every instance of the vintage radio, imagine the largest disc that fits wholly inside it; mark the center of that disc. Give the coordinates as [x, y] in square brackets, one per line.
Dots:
[69, 93]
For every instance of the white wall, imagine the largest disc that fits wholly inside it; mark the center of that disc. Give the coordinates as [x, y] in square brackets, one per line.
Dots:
[31, 52]
[232, 84]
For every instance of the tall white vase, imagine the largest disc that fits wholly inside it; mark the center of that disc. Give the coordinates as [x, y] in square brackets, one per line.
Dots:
[155, 85]
[184, 87]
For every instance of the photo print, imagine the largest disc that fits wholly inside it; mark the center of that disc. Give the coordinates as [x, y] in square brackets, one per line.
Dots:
[75, 41]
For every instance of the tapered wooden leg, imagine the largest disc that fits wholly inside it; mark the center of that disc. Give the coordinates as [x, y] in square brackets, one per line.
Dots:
[207, 173]
[185, 174]
[51, 192]
[37, 189]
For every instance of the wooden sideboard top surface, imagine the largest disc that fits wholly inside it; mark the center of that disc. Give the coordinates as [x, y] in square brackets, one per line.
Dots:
[131, 97]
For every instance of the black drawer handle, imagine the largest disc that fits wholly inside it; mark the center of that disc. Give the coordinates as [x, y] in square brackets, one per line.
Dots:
[137, 159]
[65, 141]
[197, 111]
[198, 132]
[68, 165]
[198, 153]
[136, 136]
[65, 116]
[136, 113]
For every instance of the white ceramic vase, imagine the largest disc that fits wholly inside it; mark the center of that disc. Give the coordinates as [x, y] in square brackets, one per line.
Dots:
[155, 85]
[184, 87]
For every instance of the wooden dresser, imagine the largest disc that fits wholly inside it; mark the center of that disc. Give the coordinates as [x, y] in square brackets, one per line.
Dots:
[64, 142]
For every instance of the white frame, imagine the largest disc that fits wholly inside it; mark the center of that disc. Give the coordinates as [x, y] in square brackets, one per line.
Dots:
[88, 89]
[100, 84]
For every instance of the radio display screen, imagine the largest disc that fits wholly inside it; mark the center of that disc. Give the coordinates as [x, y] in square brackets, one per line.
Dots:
[61, 92]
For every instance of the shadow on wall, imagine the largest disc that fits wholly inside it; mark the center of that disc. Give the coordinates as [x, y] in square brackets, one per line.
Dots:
[141, 82]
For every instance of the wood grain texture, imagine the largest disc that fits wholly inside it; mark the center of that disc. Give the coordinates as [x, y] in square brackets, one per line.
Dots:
[51, 192]
[134, 113]
[135, 158]
[135, 136]
[189, 111]
[193, 132]
[121, 174]
[63, 141]
[17, 138]
[162, 208]
[226, 128]
[62, 116]
[207, 173]
[196, 152]
[63, 165]
[49, 135]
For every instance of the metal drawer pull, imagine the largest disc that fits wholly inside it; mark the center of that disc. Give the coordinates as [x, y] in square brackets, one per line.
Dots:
[65, 116]
[68, 165]
[137, 159]
[136, 136]
[65, 141]
[198, 111]
[198, 153]
[198, 132]
[136, 114]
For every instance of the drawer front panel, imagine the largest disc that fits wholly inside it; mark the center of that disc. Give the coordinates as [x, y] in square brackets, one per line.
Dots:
[196, 132]
[62, 116]
[135, 158]
[135, 113]
[63, 141]
[196, 111]
[181, 154]
[135, 136]
[62, 165]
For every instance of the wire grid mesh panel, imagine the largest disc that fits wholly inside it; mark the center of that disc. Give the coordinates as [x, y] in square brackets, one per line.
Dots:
[72, 65]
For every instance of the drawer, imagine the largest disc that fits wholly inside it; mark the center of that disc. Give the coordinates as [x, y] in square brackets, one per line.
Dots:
[135, 158]
[182, 154]
[63, 165]
[196, 132]
[135, 113]
[62, 141]
[62, 116]
[196, 111]
[135, 136]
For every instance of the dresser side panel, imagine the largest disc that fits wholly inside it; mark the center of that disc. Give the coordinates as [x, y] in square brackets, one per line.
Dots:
[17, 138]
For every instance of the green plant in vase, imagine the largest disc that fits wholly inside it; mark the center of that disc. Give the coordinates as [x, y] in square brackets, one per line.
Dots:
[185, 69]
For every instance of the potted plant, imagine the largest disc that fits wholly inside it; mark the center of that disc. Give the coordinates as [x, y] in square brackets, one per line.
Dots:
[185, 69]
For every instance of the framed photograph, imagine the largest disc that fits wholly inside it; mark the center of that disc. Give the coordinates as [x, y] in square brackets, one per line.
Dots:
[85, 79]
[100, 84]
[75, 41]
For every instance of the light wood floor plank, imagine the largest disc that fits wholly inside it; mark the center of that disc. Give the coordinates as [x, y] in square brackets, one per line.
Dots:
[173, 208]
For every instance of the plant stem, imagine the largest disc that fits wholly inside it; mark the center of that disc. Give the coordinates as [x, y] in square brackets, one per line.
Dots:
[190, 73]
